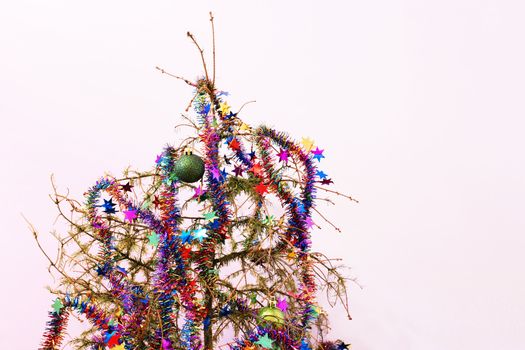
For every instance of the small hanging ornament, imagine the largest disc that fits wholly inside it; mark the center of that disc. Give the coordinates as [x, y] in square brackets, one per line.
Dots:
[189, 168]
[271, 314]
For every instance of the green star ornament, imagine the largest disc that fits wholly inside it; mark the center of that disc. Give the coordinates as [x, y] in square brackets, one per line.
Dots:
[265, 342]
[268, 220]
[153, 239]
[210, 216]
[57, 306]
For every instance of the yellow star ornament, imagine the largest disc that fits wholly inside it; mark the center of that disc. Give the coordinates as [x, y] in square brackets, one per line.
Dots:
[308, 143]
[292, 255]
[225, 108]
[244, 127]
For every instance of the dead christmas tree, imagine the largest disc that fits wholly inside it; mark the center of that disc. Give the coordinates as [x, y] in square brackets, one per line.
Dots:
[215, 238]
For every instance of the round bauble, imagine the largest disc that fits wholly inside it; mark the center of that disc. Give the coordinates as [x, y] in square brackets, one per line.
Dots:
[189, 168]
[272, 314]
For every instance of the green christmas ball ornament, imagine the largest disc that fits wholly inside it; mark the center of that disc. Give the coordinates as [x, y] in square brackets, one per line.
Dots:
[189, 168]
[272, 314]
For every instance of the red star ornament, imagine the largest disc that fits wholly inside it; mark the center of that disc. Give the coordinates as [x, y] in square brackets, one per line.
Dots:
[127, 187]
[113, 341]
[156, 202]
[185, 252]
[257, 169]
[261, 188]
[326, 181]
[234, 144]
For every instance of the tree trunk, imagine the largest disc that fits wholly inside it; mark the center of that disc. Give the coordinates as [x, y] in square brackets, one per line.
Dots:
[208, 334]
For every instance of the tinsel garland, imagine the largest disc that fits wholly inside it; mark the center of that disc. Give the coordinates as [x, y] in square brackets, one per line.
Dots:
[54, 333]
[174, 286]
[280, 335]
[299, 209]
[171, 279]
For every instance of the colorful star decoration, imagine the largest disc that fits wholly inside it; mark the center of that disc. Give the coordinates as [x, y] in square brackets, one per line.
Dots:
[261, 188]
[153, 239]
[113, 339]
[156, 202]
[212, 215]
[321, 174]
[326, 181]
[224, 108]
[200, 234]
[315, 310]
[237, 170]
[304, 345]
[308, 143]
[244, 127]
[130, 214]
[224, 174]
[341, 345]
[268, 220]
[127, 187]
[198, 191]
[292, 255]
[57, 305]
[119, 347]
[185, 252]
[309, 222]
[265, 342]
[257, 169]
[318, 153]
[185, 236]
[166, 344]
[283, 155]
[215, 173]
[109, 206]
[234, 144]
[282, 304]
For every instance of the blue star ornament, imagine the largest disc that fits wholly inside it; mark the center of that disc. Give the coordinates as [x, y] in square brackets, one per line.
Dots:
[224, 173]
[318, 154]
[341, 345]
[185, 236]
[225, 311]
[121, 269]
[321, 174]
[304, 345]
[214, 225]
[200, 234]
[109, 206]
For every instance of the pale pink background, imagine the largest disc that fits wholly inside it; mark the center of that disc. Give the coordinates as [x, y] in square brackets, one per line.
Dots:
[419, 105]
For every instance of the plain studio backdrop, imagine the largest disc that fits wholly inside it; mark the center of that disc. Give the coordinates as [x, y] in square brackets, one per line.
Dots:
[419, 106]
